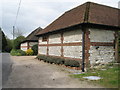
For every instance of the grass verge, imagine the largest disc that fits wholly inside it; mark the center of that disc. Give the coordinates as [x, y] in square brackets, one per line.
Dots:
[110, 76]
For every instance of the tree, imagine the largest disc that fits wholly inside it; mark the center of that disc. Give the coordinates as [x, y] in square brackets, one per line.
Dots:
[17, 42]
[4, 41]
[9, 46]
[0, 40]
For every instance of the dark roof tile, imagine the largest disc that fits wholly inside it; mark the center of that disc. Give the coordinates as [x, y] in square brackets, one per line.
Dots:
[86, 13]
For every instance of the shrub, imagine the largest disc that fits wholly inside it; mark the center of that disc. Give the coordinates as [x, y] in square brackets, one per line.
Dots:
[22, 52]
[72, 63]
[15, 52]
[35, 49]
[57, 60]
[29, 52]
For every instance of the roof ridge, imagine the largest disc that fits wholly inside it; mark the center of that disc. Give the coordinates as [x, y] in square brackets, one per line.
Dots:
[105, 5]
[86, 15]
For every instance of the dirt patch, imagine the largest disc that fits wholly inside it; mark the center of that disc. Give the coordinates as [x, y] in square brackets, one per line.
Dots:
[28, 72]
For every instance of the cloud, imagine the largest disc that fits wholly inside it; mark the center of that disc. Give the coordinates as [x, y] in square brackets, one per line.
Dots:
[35, 13]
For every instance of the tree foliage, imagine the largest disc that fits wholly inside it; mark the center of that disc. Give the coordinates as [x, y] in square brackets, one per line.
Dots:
[9, 46]
[17, 42]
[35, 49]
[4, 41]
[0, 40]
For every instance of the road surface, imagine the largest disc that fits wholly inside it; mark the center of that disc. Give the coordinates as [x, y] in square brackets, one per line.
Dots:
[6, 67]
[28, 72]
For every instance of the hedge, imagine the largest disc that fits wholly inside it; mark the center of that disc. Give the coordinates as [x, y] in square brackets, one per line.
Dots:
[18, 52]
[59, 61]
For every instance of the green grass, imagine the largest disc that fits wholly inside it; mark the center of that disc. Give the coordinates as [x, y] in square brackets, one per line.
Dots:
[109, 76]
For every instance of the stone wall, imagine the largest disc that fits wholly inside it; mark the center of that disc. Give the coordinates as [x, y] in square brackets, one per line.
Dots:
[72, 51]
[55, 50]
[24, 46]
[72, 36]
[32, 43]
[99, 45]
[27, 45]
[42, 50]
[55, 38]
[41, 42]
[65, 44]
[97, 35]
[101, 53]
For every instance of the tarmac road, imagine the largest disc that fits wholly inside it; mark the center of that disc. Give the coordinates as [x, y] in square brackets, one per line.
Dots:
[6, 67]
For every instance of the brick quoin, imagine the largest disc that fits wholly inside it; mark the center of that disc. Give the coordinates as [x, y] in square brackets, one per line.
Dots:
[47, 45]
[87, 48]
[62, 38]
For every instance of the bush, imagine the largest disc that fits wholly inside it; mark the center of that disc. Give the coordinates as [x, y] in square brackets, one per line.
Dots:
[58, 61]
[72, 63]
[29, 52]
[22, 52]
[15, 52]
[35, 49]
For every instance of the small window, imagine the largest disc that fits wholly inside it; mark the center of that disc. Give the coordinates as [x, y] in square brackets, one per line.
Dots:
[44, 38]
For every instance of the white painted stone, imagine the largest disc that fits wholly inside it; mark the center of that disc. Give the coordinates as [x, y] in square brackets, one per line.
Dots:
[73, 51]
[24, 49]
[32, 43]
[55, 38]
[24, 44]
[97, 35]
[42, 50]
[73, 36]
[55, 50]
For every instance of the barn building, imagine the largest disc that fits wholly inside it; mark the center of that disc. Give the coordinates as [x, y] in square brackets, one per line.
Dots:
[87, 33]
[30, 40]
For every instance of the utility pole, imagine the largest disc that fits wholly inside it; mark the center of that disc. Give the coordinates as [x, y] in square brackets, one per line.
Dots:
[13, 31]
[13, 36]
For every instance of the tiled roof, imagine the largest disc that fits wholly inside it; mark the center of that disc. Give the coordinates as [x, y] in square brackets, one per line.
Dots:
[86, 13]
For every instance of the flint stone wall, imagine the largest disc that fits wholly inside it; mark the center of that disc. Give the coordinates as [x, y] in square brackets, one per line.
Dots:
[101, 54]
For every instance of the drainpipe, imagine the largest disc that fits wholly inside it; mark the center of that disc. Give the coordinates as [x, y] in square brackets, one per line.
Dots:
[83, 49]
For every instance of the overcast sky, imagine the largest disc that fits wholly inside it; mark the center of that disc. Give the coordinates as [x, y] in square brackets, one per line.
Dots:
[38, 13]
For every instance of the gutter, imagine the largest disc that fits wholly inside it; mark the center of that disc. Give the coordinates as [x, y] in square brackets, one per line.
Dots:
[83, 49]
